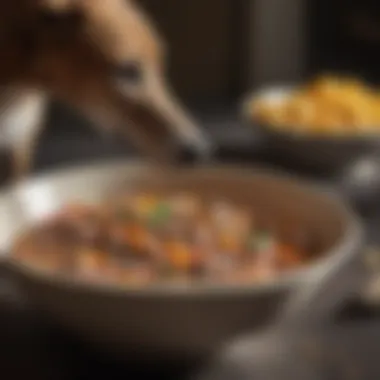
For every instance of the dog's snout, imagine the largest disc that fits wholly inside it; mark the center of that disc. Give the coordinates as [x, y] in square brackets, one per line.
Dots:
[187, 155]
[195, 154]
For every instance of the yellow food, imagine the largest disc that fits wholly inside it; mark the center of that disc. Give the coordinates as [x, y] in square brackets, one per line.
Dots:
[326, 106]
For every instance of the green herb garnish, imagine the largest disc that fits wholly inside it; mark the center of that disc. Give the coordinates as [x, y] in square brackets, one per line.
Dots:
[260, 241]
[160, 215]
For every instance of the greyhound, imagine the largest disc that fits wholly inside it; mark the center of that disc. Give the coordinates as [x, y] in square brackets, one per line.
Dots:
[103, 57]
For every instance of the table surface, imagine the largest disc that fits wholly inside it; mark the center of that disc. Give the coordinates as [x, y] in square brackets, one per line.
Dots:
[31, 348]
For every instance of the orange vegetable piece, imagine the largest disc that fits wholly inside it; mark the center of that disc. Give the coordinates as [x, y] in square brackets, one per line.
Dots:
[288, 255]
[90, 260]
[180, 255]
[137, 236]
[229, 242]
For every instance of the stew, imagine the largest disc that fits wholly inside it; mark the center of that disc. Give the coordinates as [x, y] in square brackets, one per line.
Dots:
[141, 238]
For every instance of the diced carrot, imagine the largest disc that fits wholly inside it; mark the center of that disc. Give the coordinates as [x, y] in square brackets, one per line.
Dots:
[288, 256]
[229, 243]
[138, 236]
[180, 255]
[89, 260]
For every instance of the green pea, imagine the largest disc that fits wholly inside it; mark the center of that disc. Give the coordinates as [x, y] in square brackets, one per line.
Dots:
[160, 215]
[260, 241]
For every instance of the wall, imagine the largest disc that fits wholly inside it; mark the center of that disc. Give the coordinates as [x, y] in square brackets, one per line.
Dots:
[278, 38]
[204, 40]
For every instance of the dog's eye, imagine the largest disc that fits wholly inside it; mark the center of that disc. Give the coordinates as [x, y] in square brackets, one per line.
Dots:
[70, 18]
[129, 72]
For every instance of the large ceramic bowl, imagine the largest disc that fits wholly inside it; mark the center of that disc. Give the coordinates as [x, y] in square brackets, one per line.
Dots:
[328, 154]
[171, 322]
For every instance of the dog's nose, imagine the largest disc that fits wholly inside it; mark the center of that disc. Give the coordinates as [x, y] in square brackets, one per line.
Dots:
[190, 154]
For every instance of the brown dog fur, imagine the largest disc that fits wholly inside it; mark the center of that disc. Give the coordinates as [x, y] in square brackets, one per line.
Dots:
[71, 49]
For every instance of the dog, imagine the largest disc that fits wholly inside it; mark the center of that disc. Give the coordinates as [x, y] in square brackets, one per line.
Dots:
[103, 57]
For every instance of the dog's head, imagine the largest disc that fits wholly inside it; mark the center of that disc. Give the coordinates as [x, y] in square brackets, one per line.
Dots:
[105, 58]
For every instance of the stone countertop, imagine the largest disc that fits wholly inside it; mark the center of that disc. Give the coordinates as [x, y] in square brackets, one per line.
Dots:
[30, 348]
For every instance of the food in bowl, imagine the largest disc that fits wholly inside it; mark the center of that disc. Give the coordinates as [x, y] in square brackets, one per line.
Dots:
[326, 106]
[145, 238]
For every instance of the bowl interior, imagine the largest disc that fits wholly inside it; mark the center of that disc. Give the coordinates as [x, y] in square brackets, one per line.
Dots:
[278, 202]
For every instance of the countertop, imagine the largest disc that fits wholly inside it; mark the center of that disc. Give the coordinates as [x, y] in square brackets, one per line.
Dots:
[31, 348]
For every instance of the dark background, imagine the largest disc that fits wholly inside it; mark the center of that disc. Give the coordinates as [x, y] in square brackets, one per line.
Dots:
[344, 37]
[209, 68]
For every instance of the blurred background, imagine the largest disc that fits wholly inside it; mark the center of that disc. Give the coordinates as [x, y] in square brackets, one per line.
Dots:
[221, 49]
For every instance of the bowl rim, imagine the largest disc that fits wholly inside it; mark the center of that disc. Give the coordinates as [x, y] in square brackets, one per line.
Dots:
[348, 246]
[285, 132]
